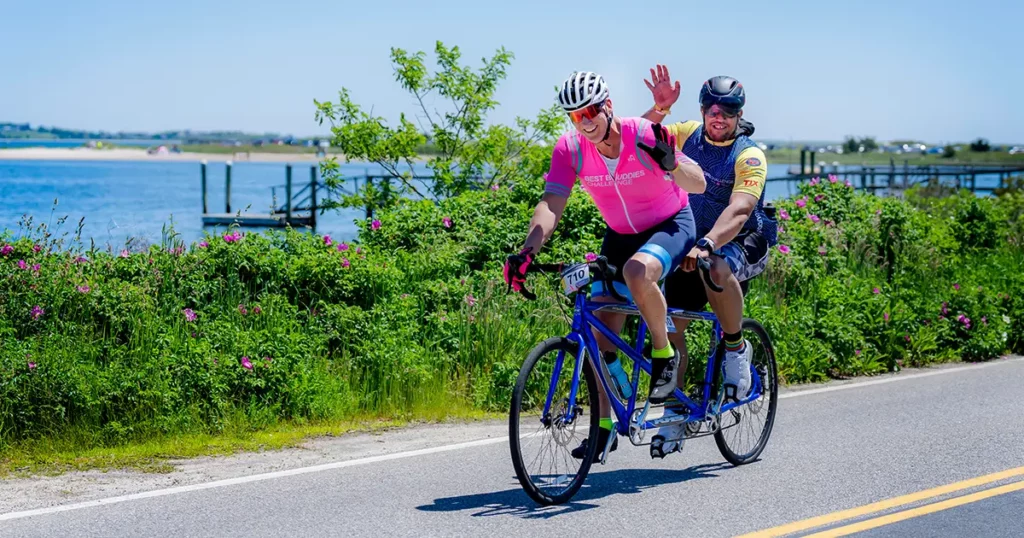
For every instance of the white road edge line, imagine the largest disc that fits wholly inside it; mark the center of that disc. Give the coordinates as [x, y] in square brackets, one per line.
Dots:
[251, 478]
[421, 452]
[897, 377]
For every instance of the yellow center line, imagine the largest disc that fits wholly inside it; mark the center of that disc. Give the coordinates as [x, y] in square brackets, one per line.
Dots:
[867, 509]
[920, 511]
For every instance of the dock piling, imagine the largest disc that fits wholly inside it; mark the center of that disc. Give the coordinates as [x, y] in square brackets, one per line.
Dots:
[202, 169]
[288, 192]
[312, 195]
[227, 188]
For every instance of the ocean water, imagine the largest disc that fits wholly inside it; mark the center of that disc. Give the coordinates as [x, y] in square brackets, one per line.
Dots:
[129, 199]
[122, 200]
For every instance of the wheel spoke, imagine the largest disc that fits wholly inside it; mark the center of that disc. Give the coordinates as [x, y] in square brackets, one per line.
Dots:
[745, 439]
[545, 466]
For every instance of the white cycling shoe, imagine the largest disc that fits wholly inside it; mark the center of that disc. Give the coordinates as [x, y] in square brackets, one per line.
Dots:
[737, 370]
[669, 438]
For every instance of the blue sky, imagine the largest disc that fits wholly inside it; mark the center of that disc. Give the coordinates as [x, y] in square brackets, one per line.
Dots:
[937, 71]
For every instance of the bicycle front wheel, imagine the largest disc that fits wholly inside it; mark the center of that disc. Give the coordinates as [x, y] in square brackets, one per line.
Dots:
[743, 431]
[542, 441]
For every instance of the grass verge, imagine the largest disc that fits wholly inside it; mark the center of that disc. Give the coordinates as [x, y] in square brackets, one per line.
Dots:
[56, 456]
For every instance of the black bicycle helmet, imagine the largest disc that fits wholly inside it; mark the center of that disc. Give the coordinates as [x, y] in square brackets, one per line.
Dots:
[723, 91]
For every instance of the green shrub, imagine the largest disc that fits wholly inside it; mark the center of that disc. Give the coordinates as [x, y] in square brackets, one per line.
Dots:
[413, 315]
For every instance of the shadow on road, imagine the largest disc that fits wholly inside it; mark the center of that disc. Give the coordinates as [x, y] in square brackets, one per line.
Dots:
[515, 502]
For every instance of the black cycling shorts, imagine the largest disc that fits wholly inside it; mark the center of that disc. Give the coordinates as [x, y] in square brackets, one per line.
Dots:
[747, 256]
[668, 241]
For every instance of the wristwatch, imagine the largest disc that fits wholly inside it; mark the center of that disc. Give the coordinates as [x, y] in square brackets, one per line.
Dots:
[706, 244]
[664, 111]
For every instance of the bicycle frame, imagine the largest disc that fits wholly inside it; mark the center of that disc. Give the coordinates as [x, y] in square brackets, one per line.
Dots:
[585, 318]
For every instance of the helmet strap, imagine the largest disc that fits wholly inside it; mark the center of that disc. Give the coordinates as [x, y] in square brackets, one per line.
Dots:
[608, 130]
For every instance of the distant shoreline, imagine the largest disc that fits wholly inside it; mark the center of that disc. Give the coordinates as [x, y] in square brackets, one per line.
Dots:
[140, 155]
[784, 157]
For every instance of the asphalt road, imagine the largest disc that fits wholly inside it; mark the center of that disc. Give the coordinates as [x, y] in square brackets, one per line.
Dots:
[975, 519]
[831, 450]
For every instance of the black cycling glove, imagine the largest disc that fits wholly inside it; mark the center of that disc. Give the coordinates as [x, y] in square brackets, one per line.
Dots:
[664, 150]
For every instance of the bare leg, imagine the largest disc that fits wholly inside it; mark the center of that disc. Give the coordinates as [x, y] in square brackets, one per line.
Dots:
[727, 305]
[615, 323]
[641, 274]
[678, 340]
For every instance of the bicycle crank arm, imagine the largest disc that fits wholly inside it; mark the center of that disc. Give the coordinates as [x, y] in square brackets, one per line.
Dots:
[608, 444]
[642, 417]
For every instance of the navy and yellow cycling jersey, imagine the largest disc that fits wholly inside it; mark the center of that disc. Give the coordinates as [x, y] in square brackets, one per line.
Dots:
[733, 166]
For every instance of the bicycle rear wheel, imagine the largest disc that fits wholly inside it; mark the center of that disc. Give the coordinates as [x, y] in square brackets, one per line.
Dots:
[743, 431]
[541, 444]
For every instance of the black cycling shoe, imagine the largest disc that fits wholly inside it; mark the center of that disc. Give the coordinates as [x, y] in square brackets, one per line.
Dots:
[663, 372]
[602, 438]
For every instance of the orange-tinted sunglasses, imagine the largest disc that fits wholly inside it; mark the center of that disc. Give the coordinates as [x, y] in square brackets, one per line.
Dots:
[589, 112]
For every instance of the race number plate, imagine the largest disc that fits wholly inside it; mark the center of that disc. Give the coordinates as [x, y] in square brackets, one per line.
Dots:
[575, 277]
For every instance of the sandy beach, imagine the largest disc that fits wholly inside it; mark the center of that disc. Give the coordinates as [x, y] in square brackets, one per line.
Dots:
[131, 154]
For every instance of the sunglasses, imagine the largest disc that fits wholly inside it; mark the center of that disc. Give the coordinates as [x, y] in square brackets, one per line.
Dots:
[589, 112]
[719, 110]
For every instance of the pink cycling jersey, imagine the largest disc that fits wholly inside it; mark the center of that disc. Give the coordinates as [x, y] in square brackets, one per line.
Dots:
[641, 194]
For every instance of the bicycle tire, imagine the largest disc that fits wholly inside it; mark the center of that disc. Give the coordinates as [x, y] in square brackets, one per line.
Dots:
[532, 489]
[770, 385]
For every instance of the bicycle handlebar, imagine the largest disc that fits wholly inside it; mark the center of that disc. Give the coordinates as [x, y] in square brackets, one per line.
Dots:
[605, 272]
[704, 265]
[600, 270]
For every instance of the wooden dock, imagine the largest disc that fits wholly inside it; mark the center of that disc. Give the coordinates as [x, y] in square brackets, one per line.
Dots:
[894, 179]
[276, 220]
[298, 210]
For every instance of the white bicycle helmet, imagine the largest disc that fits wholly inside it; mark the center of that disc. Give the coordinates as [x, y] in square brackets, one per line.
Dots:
[581, 89]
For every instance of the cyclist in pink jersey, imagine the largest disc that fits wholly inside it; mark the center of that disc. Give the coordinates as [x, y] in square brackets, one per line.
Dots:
[642, 196]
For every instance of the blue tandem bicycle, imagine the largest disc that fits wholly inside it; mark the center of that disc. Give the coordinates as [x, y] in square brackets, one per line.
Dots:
[549, 402]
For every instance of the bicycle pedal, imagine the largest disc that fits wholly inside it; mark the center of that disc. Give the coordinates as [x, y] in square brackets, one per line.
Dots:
[658, 443]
